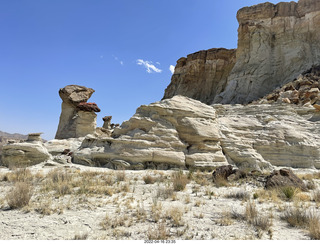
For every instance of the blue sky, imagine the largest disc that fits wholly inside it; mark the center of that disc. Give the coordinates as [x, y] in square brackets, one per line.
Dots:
[121, 48]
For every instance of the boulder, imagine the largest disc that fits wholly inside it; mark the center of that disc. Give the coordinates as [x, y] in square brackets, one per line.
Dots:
[284, 178]
[222, 172]
[24, 154]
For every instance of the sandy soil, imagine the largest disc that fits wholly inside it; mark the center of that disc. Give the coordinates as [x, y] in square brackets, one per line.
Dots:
[120, 205]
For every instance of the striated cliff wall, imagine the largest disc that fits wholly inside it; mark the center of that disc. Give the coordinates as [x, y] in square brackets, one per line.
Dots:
[276, 43]
[202, 75]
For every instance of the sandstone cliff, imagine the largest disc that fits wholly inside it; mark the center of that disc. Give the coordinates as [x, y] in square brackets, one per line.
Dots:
[276, 43]
[202, 75]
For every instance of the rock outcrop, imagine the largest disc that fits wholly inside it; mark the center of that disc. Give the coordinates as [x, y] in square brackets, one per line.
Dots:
[284, 178]
[184, 133]
[24, 154]
[202, 75]
[174, 133]
[276, 43]
[78, 118]
[303, 90]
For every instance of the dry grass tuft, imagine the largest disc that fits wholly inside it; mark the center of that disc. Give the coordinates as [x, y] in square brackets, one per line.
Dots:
[316, 195]
[81, 236]
[19, 175]
[121, 176]
[180, 181]
[267, 195]
[226, 218]
[20, 195]
[252, 216]
[156, 211]
[296, 217]
[221, 182]
[148, 179]
[175, 215]
[314, 226]
[164, 192]
[158, 233]
[240, 194]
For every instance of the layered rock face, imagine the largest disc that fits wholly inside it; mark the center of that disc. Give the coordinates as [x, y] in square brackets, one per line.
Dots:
[26, 153]
[281, 135]
[174, 133]
[202, 75]
[276, 43]
[184, 133]
[78, 118]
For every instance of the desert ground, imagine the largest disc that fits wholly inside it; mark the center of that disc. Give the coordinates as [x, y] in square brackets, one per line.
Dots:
[83, 203]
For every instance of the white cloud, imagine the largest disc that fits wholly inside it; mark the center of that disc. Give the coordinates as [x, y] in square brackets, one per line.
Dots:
[149, 66]
[171, 68]
[118, 60]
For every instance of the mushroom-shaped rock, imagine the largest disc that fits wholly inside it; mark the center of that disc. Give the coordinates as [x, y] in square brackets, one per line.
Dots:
[78, 118]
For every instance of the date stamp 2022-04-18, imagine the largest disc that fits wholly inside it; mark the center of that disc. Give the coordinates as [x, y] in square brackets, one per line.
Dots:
[160, 241]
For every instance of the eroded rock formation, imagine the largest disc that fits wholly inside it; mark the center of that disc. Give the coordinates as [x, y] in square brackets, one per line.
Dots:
[184, 133]
[202, 75]
[78, 118]
[276, 43]
[174, 133]
[27, 153]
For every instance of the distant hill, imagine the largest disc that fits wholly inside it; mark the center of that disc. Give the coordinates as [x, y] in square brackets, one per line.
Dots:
[15, 136]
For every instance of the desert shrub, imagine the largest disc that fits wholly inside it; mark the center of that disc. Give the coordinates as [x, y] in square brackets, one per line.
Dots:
[262, 222]
[81, 236]
[158, 233]
[58, 175]
[296, 217]
[251, 212]
[288, 192]
[303, 218]
[267, 195]
[220, 181]
[20, 195]
[114, 222]
[240, 194]
[226, 218]
[175, 215]
[180, 181]
[156, 211]
[316, 195]
[121, 176]
[148, 179]
[252, 216]
[19, 175]
[314, 225]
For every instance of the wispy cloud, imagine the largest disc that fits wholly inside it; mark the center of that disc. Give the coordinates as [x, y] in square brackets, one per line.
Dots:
[171, 68]
[150, 68]
[118, 60]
